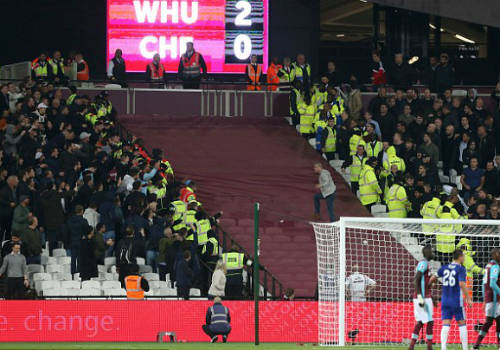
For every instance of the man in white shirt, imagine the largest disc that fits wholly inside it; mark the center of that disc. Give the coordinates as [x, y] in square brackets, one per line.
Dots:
[358, 285]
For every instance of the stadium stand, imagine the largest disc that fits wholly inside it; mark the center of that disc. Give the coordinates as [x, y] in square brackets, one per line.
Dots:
[65, 168]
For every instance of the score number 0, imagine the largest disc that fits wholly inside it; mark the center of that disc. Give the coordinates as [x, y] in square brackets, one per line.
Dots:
[242, 44]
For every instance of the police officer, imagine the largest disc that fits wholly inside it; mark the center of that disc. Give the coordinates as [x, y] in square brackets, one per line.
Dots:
[218, 321]
[135, 284]
[234, 261]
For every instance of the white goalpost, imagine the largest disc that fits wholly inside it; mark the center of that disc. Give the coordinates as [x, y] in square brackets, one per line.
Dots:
[366, 276]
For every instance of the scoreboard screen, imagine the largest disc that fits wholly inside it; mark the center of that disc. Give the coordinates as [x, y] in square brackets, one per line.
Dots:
[226, 32]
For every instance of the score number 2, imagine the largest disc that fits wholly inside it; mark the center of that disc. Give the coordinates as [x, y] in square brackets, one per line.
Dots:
[242, 44]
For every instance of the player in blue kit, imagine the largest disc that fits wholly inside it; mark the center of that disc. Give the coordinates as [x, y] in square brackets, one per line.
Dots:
[452, 300]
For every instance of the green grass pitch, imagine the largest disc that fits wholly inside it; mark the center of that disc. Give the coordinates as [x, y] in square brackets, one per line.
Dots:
[203, 346]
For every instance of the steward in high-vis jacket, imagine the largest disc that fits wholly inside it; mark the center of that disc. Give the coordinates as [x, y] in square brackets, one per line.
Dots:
[355, 163]
[235, 262]
[329, 139]
[218, 321]
[135, 284]
[396, 199]
[191, 67]
[369, 188]
[469, 263]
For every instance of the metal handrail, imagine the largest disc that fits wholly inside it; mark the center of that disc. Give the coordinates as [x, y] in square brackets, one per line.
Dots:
[275, 283]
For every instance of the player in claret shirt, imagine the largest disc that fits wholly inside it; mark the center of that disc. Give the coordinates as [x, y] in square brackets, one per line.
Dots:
[423, 307]
[491, 293]
[452, 299]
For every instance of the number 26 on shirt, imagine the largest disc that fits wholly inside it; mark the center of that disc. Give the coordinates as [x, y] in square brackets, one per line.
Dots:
[449, 278]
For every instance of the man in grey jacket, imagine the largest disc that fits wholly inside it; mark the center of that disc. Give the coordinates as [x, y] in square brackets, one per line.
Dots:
[327, 192]
[12, 138]
[17, 274]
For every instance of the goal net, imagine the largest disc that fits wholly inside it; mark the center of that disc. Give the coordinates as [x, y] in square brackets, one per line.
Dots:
[366, 276]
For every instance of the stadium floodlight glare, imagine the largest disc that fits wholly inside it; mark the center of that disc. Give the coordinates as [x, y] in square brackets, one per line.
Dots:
[463, 38]
[385, 251]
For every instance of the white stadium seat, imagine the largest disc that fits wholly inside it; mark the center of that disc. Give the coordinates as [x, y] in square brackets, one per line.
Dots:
[145, 269]
[140, 261]
[166, 292]
[64, 260]
[70, 284]
[44, 259]
[34, 268]
[74, 292]
[55, 268]
[54, 292]
[59, 252]
[195, 292]
[42, 276]
[110, 261]
[42, 285]
[90, 292]
[62, 276]
[151, 276]
[111, 285]
[102, 268]
[115, 292]
[91, 284]
[51, 260]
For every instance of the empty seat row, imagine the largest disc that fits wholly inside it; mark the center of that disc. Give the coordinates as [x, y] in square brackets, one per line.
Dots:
[112, 292]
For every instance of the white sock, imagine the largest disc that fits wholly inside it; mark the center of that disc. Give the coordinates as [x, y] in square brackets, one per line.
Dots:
[463, 337]
[444, 336]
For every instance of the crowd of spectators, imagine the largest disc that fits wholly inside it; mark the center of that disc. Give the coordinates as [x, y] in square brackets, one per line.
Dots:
[69, 180]
[432, 144]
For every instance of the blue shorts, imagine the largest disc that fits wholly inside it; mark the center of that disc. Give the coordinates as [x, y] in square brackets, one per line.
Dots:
[447, 313]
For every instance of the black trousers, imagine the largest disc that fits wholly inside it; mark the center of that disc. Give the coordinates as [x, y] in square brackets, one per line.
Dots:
[354, 186]
[234, 290]
[183, 292]
[191, 84]
[369, 207]
[15, 288]
[210, 332]
[330, 155]
[5, 224]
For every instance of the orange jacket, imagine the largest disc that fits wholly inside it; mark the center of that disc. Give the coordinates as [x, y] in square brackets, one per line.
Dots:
[84, 74]
[272, 76]
[133, 287]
